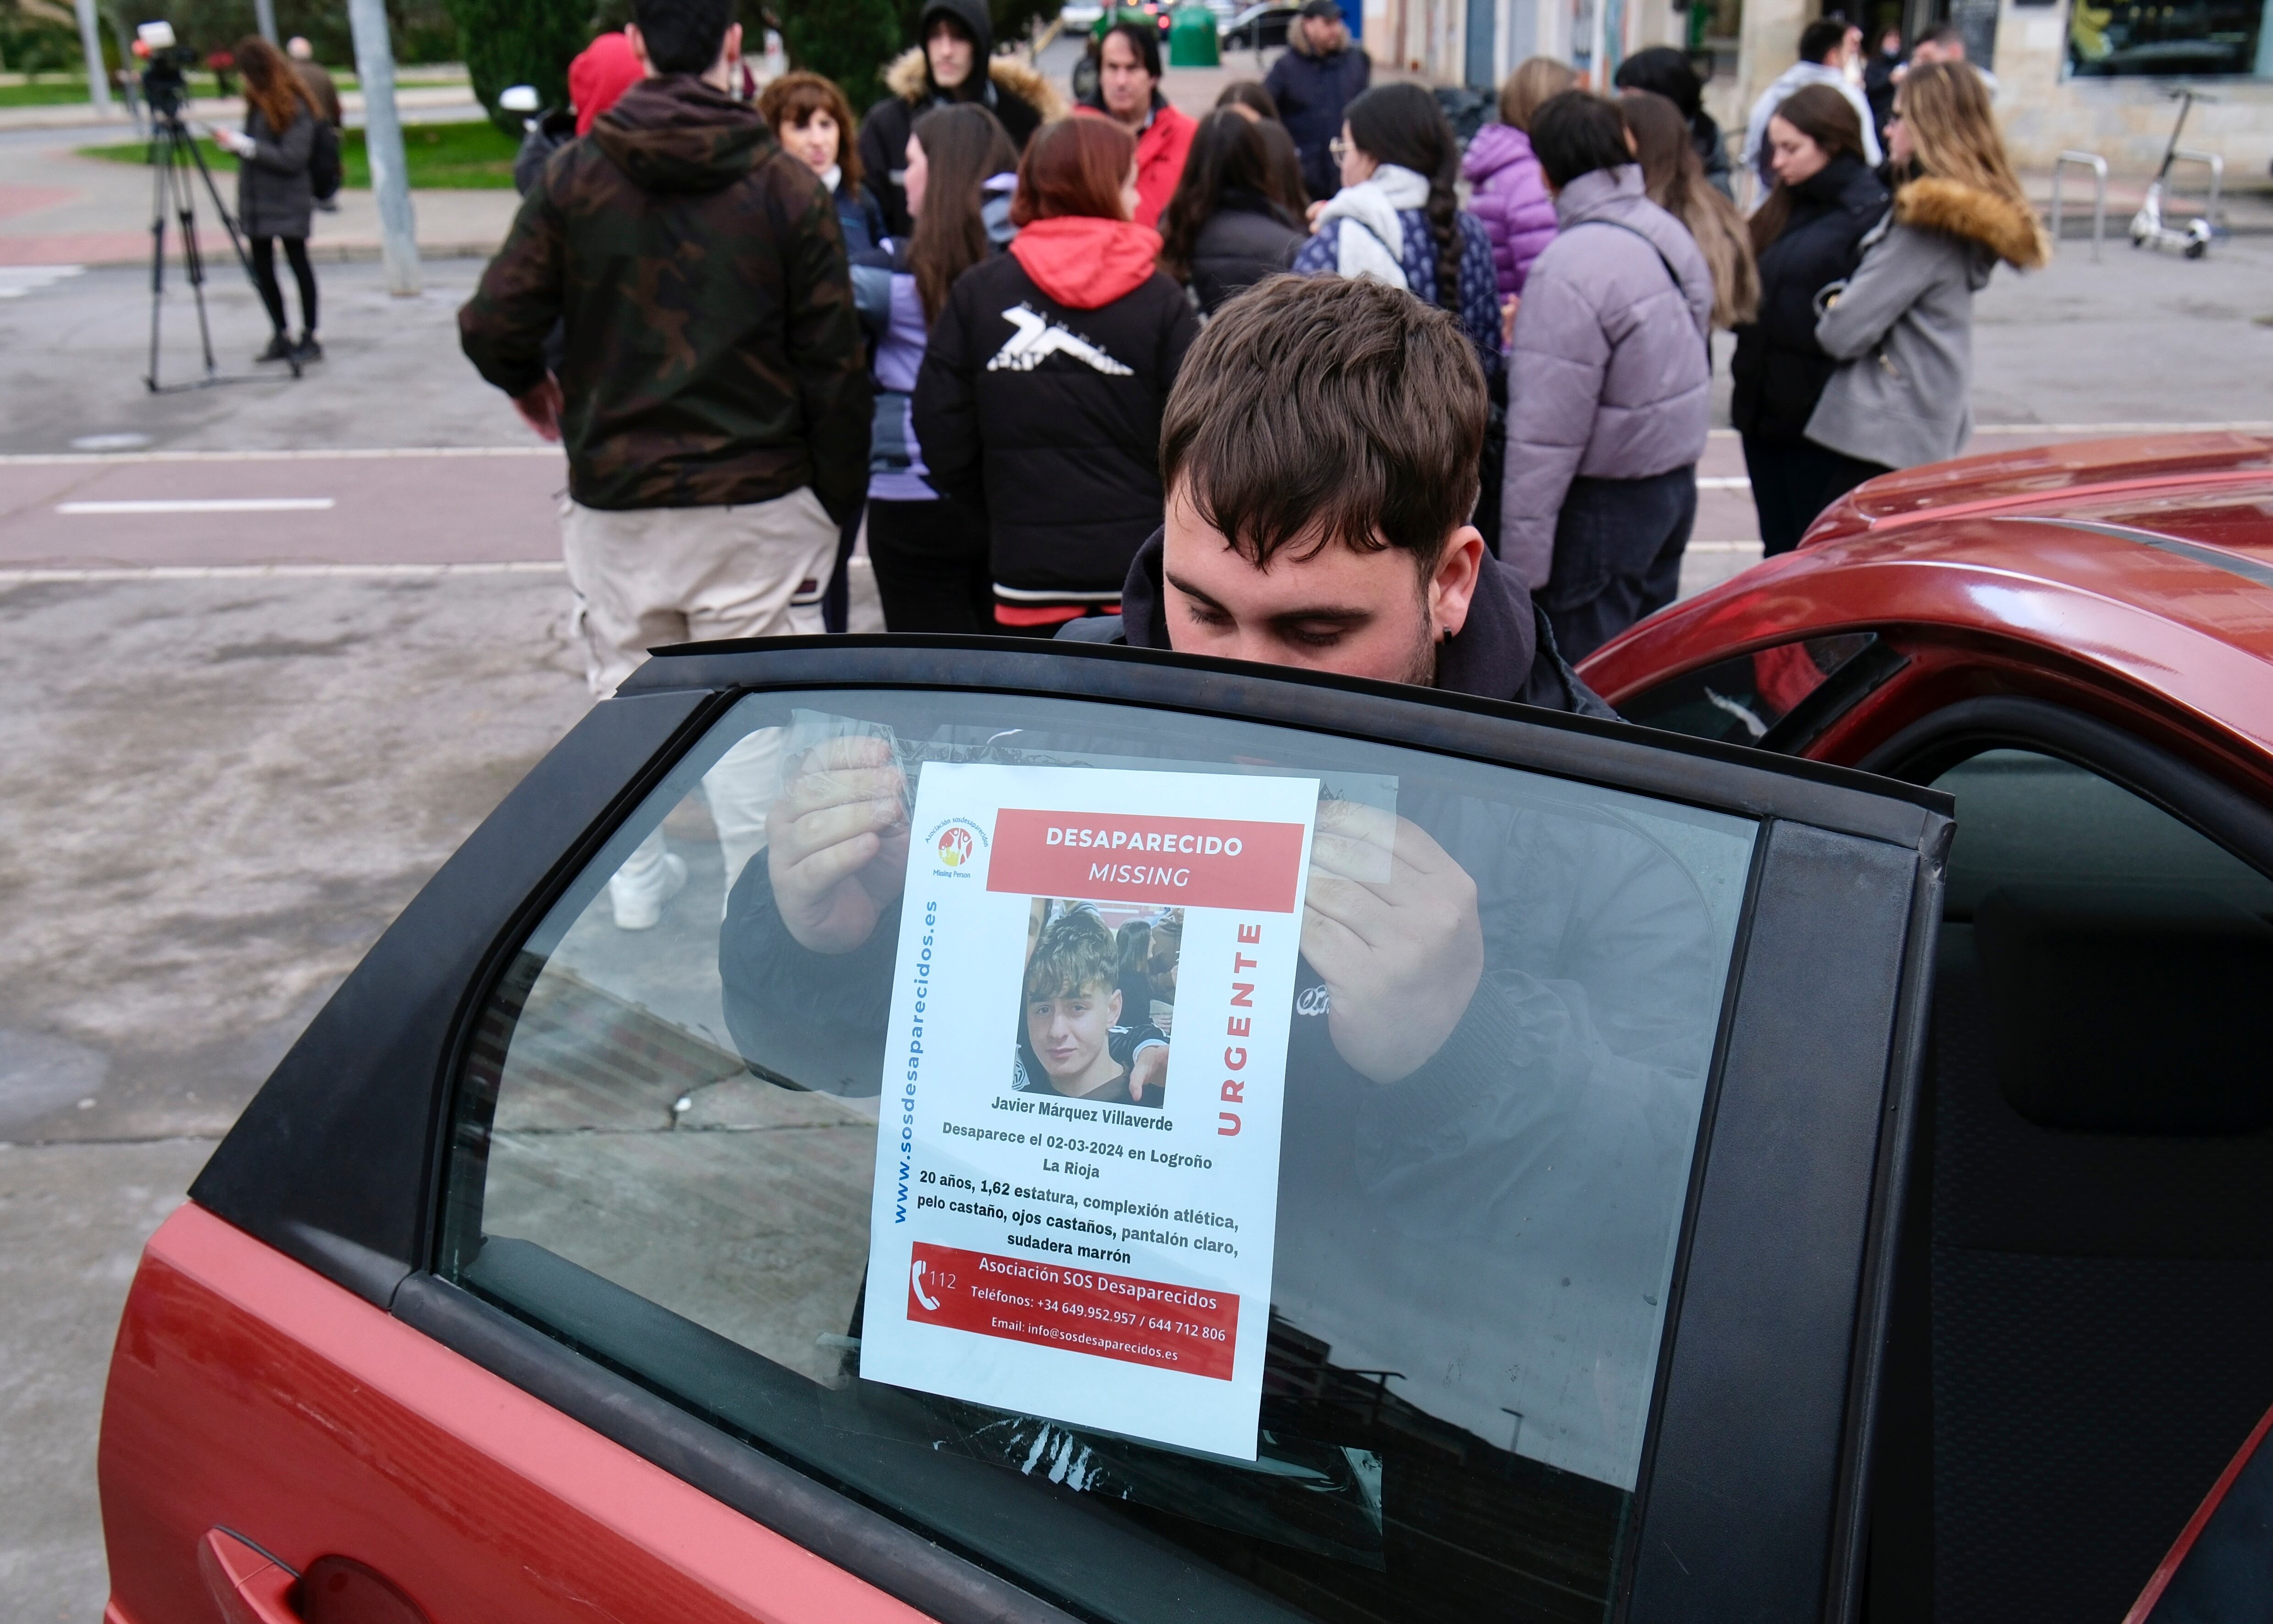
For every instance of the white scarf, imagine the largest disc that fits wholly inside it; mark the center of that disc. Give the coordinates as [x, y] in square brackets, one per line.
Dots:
[831, 178]
[1376, 248]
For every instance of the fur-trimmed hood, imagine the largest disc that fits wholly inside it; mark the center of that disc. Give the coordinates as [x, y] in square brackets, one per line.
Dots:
[2006, 227]
[908, 79]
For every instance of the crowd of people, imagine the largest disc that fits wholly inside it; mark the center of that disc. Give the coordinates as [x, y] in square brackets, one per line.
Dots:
[981, 327]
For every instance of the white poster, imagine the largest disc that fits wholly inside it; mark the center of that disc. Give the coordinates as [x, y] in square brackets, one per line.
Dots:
[1078, 1166]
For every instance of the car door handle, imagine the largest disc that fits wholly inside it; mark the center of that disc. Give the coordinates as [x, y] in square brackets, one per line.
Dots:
[251, 1587]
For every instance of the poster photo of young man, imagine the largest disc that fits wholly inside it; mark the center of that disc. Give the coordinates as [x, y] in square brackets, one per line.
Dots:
[1097, 999]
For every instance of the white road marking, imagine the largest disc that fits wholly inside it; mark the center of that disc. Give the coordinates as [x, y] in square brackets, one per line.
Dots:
[1722, 547]
[195, 505]
[49, 460]
[16, 280]
[1723, 482]
[280, 571]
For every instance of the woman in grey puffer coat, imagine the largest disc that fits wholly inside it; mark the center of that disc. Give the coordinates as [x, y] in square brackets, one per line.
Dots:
[274, 196]
[1610, 388]
[1902, 323]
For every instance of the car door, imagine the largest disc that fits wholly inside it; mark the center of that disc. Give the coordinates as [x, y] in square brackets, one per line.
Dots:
[536, 1283]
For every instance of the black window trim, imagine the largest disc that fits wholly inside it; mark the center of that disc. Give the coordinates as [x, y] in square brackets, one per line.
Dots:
[1930, 746]
[333, 1089]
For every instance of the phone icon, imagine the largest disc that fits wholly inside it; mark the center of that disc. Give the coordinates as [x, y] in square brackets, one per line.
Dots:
[915, 1283]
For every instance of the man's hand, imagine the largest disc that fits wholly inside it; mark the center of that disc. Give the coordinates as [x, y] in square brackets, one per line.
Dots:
[837, 843]
[1149, 1067]
[1391, 924]
[540, 409]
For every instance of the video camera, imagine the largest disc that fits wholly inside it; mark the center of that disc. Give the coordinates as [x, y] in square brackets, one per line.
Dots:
[165, 85]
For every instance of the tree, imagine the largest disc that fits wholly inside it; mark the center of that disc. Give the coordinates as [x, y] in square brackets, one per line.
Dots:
[509, 42]
[848, 40]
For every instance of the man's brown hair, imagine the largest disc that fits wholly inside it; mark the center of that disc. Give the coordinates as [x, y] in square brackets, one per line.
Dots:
[1314, 409]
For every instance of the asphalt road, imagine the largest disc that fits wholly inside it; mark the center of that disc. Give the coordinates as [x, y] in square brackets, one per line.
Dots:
[238, 739]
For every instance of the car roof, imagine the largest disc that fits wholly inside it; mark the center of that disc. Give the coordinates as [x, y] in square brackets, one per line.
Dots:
[2149, 558]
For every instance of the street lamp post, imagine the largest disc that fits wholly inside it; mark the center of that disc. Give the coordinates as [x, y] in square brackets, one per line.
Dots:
[382, 131]
[90, 39]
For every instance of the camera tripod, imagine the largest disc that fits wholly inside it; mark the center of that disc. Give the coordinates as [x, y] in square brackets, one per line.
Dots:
[176, 165]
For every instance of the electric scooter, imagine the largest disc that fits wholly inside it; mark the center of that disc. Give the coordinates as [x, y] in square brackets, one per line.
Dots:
[2146, 227]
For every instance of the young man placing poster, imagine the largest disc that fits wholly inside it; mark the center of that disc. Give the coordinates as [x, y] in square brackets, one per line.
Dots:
[1491, 1019]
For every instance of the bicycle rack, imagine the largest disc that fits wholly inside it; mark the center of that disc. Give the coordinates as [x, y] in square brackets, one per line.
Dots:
[2098, 166]
[2216, 165]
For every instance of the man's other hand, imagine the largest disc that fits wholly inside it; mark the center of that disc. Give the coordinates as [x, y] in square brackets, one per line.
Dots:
[540, 409]
[837, 843]
[1390, 925]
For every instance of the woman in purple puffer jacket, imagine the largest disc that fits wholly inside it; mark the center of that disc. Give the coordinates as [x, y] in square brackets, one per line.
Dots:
[1510, 194]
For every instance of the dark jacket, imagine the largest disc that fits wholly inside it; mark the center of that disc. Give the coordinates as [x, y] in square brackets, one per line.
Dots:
[1779, 369]
[1245, 240]
[273, 196]
[1021, 98]
[320, 87]
[1503, 651]
[714, 357]
[1042, 409]
[1312, 92]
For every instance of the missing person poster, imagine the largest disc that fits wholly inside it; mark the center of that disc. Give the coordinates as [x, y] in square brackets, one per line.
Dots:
[1077, 1162]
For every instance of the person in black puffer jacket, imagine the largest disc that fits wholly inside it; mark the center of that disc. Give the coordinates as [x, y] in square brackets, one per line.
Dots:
[1229, 226]
[1807, 235]
[1039, 399]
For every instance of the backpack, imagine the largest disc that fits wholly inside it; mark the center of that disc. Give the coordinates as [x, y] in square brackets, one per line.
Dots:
[323, 161]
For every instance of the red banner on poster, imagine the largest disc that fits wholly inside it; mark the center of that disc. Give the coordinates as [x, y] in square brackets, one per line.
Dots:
[1196, 862]
[1150, 1322]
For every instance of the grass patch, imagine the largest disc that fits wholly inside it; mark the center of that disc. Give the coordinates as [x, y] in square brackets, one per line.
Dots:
[465, 157]
[61, 89]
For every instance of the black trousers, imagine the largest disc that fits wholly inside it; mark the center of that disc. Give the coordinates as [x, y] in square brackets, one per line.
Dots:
[836, 597]
[263, 274]
[931, 564]
[1617, 556]
[1794, 481]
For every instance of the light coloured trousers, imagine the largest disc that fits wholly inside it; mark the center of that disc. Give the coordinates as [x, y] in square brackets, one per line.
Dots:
[645, 577]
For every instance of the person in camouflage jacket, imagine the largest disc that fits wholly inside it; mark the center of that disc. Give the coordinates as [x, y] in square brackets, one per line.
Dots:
[714, 353]
[713, 391]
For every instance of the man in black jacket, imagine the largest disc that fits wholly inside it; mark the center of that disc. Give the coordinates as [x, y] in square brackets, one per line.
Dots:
[1505, 1003]
[953, 61]
[1313, 84]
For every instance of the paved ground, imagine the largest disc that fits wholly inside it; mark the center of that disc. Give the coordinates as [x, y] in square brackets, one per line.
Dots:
[227, 773]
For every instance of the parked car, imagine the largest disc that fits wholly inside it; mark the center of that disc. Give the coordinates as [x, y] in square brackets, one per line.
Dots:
[532, 1285]
[1260, 27]
[2076, 643]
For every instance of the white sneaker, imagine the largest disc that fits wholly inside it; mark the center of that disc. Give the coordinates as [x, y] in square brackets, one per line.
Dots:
[638, 899]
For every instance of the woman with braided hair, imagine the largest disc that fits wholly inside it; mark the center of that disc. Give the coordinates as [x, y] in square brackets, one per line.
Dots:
[1398, 219]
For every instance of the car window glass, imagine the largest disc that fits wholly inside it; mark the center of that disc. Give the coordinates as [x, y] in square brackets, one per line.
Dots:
[1740, 700]
[2026, 818]
[665, 1146]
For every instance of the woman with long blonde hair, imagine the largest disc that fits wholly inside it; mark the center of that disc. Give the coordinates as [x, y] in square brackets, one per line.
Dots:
[274, 196]
[1673, 177]
[1902, 327]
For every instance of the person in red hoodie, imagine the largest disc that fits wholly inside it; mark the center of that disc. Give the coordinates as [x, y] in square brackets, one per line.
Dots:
[602, 71]
[1039, 399]
[1129, 92]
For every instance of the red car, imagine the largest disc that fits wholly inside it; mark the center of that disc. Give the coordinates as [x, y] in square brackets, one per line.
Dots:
[2076, 643]
[1754, 1243]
